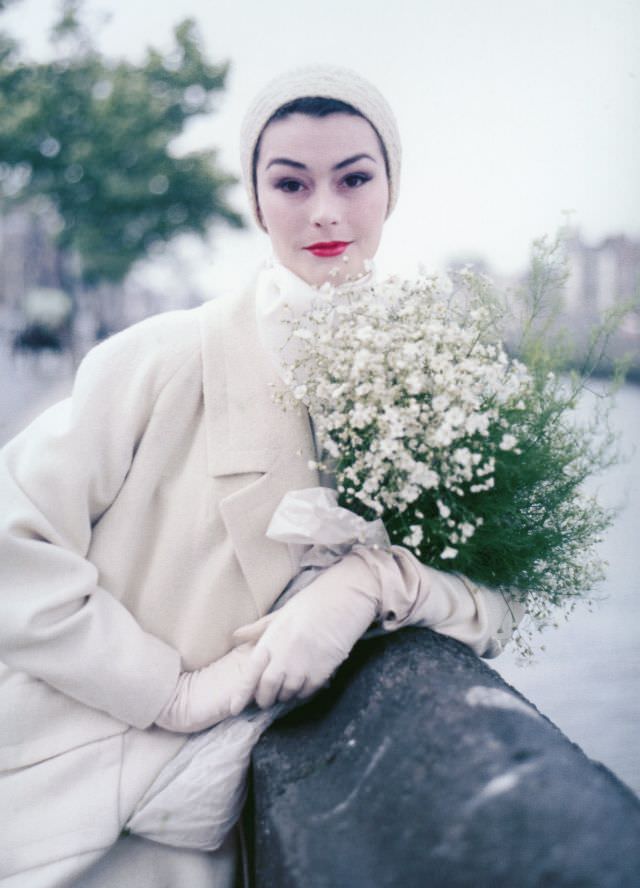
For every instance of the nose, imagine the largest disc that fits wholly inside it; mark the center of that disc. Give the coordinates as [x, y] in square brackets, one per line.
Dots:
[324, 209]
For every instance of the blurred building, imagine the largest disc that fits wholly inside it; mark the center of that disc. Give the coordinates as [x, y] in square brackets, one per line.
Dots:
[602, 276]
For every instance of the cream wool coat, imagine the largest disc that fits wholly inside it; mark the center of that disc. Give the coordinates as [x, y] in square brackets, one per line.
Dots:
[132, 545]
[135, 517]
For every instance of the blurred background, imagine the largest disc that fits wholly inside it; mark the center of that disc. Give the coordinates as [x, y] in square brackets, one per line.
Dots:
[119, 198]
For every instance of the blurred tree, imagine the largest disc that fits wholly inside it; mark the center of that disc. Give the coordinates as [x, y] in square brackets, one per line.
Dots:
[94, 136]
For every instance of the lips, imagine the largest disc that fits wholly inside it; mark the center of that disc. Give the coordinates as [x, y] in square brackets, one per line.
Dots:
[328, 248]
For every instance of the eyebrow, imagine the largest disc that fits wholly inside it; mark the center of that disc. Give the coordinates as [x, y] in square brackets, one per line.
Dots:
[301, 166]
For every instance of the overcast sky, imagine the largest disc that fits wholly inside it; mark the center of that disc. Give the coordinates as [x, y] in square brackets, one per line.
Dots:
[511, 111]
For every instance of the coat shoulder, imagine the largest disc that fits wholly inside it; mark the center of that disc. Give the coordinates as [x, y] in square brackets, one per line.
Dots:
[152, 352]
[171, 336]
[159, 335]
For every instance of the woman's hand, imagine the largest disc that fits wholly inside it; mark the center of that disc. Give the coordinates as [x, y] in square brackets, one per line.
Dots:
[299, 646]
[202, 698]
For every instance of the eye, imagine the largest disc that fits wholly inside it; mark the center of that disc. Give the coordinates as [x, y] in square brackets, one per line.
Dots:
[289, 186]
[355, 180]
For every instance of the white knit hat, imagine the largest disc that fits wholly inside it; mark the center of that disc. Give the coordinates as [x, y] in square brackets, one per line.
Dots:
[329, 82]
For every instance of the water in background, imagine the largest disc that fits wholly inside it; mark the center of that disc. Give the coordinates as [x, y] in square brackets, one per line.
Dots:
[587, 679]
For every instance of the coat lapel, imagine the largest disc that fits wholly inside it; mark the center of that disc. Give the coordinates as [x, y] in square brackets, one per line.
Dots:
[256, 450]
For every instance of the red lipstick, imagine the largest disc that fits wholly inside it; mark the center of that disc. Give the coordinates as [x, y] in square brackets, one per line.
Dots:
[328, 248]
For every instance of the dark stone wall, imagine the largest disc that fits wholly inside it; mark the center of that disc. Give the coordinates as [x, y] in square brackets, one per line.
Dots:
[419, 766]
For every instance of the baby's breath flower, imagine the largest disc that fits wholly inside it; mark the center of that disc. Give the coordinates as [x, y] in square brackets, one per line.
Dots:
[418, 408]
[415, 537]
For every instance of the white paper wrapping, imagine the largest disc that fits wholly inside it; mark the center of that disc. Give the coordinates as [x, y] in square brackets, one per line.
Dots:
[198, 796]
[319, 531]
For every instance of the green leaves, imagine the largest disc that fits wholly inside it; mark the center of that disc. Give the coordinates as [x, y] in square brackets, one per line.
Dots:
[95, 137]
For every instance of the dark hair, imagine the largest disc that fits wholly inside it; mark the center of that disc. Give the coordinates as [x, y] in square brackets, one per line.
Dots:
[312, 106]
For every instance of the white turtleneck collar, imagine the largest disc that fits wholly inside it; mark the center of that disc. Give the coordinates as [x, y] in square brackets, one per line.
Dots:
[281, 294]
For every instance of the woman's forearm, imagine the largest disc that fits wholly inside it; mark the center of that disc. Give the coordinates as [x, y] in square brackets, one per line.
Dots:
[414, 594]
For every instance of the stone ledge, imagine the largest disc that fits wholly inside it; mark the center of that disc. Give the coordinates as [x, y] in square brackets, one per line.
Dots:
[420, 766]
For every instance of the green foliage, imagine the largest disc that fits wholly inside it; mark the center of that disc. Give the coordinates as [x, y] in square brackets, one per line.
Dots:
[94, 136]
[540, 528]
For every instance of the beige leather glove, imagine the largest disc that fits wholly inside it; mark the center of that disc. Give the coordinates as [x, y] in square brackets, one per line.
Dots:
[300, 645]
[202, 698]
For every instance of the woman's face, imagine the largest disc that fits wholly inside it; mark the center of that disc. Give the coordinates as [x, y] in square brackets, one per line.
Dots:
[323, 194]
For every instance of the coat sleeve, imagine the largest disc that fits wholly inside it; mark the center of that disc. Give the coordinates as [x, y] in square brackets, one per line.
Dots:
[56, 479]
[413, 594]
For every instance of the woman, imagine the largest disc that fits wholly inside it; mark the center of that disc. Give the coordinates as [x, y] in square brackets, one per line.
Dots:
[136, 572]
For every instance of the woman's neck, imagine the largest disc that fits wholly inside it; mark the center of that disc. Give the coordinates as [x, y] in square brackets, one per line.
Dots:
[367, 277]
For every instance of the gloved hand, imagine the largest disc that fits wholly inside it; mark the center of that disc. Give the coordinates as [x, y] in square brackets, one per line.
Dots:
[300, 645]
[202, 698]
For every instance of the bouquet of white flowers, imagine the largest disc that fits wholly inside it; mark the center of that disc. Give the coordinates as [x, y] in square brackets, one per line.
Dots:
[472, 460]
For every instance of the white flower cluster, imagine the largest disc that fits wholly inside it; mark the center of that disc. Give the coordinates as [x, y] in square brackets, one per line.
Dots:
[409, 388]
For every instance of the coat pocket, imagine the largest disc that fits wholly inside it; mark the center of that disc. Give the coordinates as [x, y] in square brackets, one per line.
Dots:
[63, 806]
